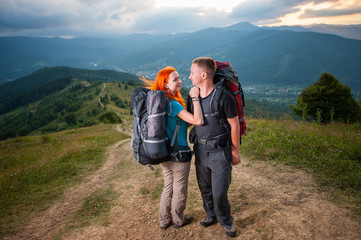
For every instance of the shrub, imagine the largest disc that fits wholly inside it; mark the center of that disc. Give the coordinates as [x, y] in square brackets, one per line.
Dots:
[110, 117]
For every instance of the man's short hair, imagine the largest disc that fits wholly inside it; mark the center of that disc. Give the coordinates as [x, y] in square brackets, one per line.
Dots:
[208, 63]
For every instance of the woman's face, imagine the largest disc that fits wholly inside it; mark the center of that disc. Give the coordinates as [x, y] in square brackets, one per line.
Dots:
[174, 82]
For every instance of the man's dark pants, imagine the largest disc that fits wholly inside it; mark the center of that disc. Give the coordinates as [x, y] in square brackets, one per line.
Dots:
[213, 168]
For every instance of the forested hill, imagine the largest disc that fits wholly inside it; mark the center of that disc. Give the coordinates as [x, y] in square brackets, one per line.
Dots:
[82, 98]
[53, 99]
[65, 103]
[45, 75]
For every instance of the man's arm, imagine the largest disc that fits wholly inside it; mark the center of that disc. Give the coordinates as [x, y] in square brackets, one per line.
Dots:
[234, 122]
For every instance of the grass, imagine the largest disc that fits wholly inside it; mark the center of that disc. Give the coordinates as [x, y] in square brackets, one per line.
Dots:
[35, 170]
[265, 232]
[332, 153]
[192, 200]
[96, 207]
[158, 190]
[94, 211]
[83, 115]
[144, 190]
[124, 94]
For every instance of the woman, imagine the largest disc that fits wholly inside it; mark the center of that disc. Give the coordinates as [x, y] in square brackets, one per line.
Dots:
[174, 196]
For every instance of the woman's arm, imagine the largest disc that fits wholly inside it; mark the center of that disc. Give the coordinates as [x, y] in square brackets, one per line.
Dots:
[197, 117]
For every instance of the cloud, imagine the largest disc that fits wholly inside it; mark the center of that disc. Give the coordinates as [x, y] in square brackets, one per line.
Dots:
[310, 13]
[32, 21]
[333, 10]
[21, 15]
[103, 17]
[119, 17]
[73, 16]
[180, 20]
[260, 11]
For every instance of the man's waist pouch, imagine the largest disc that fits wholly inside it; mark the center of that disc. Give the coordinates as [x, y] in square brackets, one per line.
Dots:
[221, 141]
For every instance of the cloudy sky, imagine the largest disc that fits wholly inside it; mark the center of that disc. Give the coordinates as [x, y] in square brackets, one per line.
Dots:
[98, 18]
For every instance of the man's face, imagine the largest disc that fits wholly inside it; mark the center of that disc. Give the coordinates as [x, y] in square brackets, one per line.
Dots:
[196, 75]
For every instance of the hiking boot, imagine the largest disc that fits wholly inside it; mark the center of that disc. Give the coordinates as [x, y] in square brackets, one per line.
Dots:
[208, 221]
[187, 220]
[230, 230]
[166, 226]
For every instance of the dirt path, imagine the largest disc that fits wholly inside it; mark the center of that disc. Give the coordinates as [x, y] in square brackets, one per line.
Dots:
[268, 202]
[101, 95]
[56, 217]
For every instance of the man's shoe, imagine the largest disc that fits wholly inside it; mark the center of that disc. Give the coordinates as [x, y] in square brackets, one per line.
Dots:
[230, 230]
[208, 221]
[166, 226]
[188, 218]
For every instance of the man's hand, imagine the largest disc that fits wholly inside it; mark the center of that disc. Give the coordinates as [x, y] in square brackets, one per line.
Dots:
[236, 157]
[194, 92]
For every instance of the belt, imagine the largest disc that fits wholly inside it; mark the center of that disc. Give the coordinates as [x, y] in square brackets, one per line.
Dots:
[210, 143]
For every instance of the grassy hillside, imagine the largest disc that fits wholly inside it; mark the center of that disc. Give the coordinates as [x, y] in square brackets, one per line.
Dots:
[45, 75]
[265, 110]
[80, 104]
[331, 153]
[36, 170]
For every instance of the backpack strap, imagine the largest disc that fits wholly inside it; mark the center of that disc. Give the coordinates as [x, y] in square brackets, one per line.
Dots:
[215, 104]
[169, 100]
[176, 130]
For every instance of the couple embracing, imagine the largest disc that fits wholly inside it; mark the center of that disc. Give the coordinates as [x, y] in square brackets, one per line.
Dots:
[215, 148]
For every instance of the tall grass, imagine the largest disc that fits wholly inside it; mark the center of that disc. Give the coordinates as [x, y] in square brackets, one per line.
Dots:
[35, 171]
[332, 153]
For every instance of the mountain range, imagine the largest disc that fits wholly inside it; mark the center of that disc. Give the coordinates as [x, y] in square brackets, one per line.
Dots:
[284, 56]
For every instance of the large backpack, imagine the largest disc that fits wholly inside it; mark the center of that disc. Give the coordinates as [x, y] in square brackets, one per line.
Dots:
[149, 140]
[226, 79]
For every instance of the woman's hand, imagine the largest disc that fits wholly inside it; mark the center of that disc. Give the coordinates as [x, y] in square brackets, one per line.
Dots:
[194, 92]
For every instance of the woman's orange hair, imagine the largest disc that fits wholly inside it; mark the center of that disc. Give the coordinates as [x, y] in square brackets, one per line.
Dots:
[158, 84]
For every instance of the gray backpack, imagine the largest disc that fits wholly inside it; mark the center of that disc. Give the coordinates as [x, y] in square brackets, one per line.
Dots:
[149, 141]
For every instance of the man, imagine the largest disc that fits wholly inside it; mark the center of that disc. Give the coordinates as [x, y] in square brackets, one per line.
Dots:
[215, 147]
